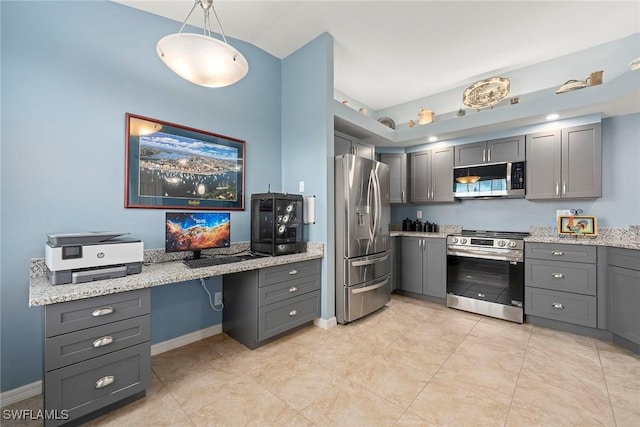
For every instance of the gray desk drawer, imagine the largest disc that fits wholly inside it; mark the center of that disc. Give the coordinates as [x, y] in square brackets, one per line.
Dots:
[625, 258]
[280, 273]
[85, 313]
[66, 349]
[282, 291]
[84, 387]
[559, 252]
[561, 306]
[561, 276]
[276, 318]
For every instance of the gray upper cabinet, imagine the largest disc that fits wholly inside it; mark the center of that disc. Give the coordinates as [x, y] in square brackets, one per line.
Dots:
[398, 175]
[345, 144]
[565, 163]
[431, 176]
[510, 149]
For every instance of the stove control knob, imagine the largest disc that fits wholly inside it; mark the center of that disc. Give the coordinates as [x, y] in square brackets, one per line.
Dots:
[463, 240]
[513, 244]
[501, 243]
[454, 240]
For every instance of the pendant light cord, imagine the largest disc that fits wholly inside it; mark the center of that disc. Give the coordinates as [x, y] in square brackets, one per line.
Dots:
[206, 6]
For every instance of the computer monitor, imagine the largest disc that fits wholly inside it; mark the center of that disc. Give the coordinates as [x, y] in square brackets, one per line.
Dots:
[196, 231]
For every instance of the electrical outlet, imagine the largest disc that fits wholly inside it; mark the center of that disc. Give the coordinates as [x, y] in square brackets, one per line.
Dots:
[419, 214]
[301, 186]
[217, 298]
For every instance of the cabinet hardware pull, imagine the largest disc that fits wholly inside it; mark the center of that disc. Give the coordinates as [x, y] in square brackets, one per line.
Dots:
[402, 196]
[557, 253]
[103, 311]
[293, 312]
[564, 187]
[105, 381]
[292, 272]
[489, 155]
[484, 155]
[293, 289]
[557, 276]
[557, 305]
[101, 342]
[557, 188]
[482, 295]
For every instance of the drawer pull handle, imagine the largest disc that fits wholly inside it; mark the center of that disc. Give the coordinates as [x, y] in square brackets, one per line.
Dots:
[102, 311]
[101, 342]
[482, 295]
[557, 253]
[292, 272]
[557, 305]
[557, 276]
[105, 381]
[293, 289]
[293, 312]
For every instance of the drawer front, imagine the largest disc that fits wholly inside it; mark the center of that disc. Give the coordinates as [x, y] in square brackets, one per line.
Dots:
[74, 347]
[87, 386]
[561, 276]
[276, 318]
[281, 273]
[559, 252]
[561, 306]
[86, 313]
[625, 258]
[289, 289]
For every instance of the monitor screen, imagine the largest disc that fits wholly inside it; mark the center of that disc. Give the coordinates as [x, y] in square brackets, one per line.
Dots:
[195, 231]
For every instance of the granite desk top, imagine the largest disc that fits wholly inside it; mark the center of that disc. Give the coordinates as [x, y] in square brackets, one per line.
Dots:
[158, 269]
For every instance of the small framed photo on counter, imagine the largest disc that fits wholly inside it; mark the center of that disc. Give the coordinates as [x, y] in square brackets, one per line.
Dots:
[578, 225]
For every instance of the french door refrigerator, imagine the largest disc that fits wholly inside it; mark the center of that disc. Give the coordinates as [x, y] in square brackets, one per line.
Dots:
[363, 244]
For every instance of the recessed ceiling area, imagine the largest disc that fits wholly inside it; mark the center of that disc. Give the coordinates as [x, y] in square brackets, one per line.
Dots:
[387, 53]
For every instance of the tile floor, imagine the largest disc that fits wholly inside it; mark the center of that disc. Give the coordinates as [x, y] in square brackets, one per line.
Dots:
[412, 363]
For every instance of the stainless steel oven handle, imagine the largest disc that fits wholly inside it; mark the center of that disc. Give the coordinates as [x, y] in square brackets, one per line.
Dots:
[370, 261]
[370, 288]
[496, 254]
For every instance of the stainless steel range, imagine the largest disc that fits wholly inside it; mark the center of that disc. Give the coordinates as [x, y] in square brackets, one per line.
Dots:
[485, 273]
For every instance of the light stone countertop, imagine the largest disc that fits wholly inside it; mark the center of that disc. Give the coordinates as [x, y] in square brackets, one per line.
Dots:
[155, 272]
[419, 234]
[626, 238]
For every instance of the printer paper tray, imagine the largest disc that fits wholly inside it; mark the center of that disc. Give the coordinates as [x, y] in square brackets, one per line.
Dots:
[79, 238]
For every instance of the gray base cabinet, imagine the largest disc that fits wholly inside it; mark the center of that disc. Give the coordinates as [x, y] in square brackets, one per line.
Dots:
[424, 265]
[96, 353]
[561, 283]
[624, 289]
[262, 305]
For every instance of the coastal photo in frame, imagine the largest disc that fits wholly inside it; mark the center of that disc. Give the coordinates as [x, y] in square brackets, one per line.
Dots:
[578, 225]
[169, 166]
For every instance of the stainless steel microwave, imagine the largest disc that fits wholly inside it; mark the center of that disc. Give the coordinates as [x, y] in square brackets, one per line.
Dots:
[492, 180]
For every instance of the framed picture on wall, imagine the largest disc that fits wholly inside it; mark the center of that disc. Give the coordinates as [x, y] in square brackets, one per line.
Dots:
[578, 225]
[169, 166]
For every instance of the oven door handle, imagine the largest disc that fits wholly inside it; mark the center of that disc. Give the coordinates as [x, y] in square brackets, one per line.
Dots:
[496, 254]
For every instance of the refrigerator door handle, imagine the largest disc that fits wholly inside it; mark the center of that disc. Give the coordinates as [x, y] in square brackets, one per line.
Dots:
[369, 261]
[371, 288]
[370, 190]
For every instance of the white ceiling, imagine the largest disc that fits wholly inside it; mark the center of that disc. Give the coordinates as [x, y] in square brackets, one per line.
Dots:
[391, 52]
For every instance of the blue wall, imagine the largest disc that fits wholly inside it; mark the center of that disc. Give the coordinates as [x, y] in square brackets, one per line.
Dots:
[70, 72]
[619, 205]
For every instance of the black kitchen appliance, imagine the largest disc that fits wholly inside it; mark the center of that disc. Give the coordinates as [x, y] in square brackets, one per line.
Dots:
[485, 273]
[276, 223]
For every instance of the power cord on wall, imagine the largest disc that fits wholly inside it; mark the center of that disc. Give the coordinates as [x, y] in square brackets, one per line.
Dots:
[210, 298]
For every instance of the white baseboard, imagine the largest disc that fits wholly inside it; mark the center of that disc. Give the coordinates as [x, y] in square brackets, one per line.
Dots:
[183, 340]
[326, 323]
[26, 391]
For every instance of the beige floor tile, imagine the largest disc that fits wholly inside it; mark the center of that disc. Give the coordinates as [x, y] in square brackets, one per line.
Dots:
[622, 376]
[298, 421]
[25, 413]
[502, 333]
[626, 418]
[409, 419]
[448, 404]
[350, 404]
[482, 353]
[174, 364]
[417, 354]
[554, 406]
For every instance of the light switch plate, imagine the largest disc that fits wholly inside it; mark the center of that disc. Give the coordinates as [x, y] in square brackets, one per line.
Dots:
[419, 214]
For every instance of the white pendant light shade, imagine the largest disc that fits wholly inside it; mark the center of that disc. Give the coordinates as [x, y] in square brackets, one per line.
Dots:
[202, 60]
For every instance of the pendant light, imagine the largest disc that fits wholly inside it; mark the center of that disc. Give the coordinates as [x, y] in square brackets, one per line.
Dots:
[469, 179]
[202, 59]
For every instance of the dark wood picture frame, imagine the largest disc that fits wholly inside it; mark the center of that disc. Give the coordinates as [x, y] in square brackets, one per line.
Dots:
[170, 166]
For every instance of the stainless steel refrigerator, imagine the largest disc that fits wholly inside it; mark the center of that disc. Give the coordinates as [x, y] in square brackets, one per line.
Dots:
[363, 245]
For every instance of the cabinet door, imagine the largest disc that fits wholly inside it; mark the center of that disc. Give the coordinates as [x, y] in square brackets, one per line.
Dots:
[582, 161]
[341, 145]
[471, 154]
[543, 165]
[510, 149]
[435, 268]
[364, 150]
[442, 175]
[420, 181]
[625, 300]
[398, 176]
[412, 264]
